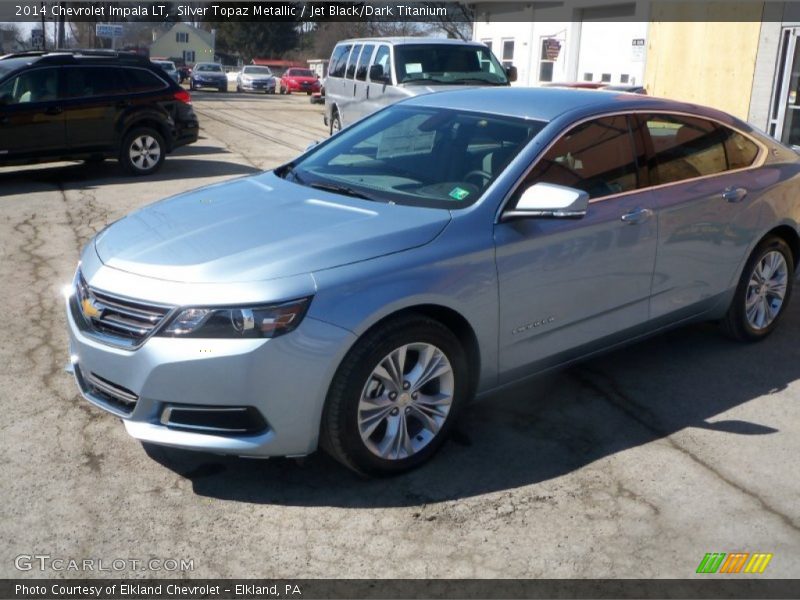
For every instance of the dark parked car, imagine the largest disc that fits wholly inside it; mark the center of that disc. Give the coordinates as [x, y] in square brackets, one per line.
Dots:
[208, 75]
[91, 105]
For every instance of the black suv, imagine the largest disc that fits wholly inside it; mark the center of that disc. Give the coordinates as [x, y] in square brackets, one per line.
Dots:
[91, 105]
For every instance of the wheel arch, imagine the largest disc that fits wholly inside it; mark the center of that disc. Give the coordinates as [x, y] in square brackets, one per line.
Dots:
[450, 318]
[789, 235]
[152, 123]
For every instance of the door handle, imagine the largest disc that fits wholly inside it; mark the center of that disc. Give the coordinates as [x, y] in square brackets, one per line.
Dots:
[367, 92]
[53, 110]
[734, 194]
[636, 216]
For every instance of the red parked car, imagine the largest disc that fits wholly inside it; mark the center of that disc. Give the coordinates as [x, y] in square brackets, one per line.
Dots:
[299, 80]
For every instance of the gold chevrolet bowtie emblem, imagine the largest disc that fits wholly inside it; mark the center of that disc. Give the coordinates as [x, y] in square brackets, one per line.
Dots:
[89, 310]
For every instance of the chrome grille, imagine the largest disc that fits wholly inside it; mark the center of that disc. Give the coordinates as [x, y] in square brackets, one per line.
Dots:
[119, 321]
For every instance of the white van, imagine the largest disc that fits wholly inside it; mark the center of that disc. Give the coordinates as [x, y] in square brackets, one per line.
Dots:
[367, 74]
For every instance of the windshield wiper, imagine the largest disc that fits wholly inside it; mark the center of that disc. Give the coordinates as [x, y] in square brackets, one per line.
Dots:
[340, 189]
[475, 80]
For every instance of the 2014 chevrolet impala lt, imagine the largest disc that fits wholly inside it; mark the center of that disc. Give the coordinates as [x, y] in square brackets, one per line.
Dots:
[358, 296]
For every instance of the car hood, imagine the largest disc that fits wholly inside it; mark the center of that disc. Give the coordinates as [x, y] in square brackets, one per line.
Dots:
[259, 228]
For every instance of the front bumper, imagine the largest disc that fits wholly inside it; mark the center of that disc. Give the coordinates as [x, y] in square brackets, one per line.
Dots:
[258, 86]
[212, 83]
[285, 379]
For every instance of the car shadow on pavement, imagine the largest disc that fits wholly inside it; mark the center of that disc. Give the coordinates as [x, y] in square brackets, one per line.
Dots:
[90, 176]
[539, 430]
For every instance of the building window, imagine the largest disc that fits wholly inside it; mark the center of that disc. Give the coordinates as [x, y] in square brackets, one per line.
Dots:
[182, 37]
[188, 56]
[508, 52]
[624, 78]
[605, 78]
[588, 76]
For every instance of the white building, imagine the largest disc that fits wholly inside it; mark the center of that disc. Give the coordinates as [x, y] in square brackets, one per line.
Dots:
[549, 42]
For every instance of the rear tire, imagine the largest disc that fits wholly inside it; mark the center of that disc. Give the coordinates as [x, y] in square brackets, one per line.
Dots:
[142, 151]
[336, 122]
[395, 396]
[763, 292]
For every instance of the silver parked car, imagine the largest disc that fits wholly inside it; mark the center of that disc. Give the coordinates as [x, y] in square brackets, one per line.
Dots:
[359, 296]
[366, 74]
[169, 68]
[255, 78]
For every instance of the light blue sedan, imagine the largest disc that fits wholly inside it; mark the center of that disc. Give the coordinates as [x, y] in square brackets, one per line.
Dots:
[438, 250]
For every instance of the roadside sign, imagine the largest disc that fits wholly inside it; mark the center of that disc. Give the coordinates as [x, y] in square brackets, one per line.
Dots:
[105, 30]
[552, 48]
[37, 38]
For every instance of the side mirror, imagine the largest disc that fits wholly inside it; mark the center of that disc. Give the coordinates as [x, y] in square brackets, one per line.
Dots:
[511, 73]
[549, 201]
[376, 73]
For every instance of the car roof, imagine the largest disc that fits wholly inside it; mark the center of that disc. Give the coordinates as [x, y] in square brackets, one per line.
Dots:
[550, 103]
[397, 41]
[90, 56]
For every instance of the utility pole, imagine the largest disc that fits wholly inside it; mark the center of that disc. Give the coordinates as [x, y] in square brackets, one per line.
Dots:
[44, 31]
[61, 25]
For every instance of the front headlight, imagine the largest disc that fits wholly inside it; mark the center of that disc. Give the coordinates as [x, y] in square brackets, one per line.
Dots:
[246, 79]
[246, 322]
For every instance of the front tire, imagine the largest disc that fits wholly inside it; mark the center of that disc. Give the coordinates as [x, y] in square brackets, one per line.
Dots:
[763, 292]
[395, 396]
[142, 151]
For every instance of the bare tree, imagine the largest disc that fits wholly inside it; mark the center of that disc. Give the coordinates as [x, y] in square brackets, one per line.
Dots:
[457, 23]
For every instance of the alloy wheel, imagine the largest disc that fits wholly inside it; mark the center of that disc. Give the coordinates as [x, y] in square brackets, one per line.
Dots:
[144, 152]
[766, 290]
[406, 401]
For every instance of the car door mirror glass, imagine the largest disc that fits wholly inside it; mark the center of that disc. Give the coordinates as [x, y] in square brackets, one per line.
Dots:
[547, 200]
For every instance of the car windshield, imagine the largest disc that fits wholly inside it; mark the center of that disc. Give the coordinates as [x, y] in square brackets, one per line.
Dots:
[257, 71]
[419, 156]
[448, 64]
[212, 68]
[166, 65]
[300, 73]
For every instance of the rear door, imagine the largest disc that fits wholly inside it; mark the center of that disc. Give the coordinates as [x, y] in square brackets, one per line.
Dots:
[95, 97]
[348, 98]
[568, 284]
[32, 115]
[361, 85]
[381, 90]
[707, 185]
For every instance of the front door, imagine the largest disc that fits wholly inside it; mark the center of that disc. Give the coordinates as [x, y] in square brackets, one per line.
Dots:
[566, 284]
[31, 115]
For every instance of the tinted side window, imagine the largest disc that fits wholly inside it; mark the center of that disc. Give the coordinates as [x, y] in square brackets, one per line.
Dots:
[83, 82]
[142, 80]
[363, 62]
[741, 151]
[685, 147]
[36, 85]
[596, 157]
[383, 58]
[351, 64]
[338, 62]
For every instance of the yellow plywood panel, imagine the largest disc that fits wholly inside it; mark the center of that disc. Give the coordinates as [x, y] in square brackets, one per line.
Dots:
[702, 58]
